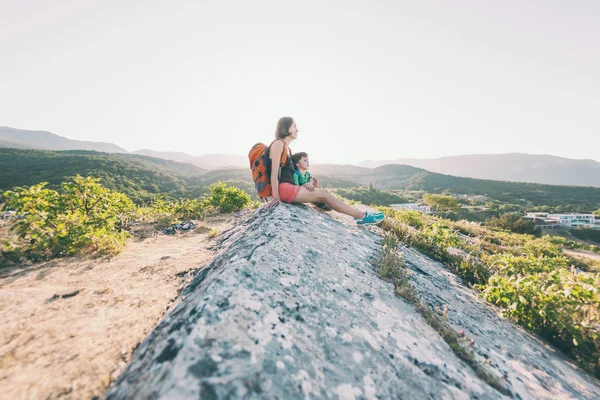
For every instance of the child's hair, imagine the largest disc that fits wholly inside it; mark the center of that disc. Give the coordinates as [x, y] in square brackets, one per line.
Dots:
[298, 156]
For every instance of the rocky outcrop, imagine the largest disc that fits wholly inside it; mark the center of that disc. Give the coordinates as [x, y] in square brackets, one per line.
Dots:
[292, 308]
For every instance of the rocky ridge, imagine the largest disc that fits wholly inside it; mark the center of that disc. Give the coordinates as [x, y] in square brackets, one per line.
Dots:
[292, 308]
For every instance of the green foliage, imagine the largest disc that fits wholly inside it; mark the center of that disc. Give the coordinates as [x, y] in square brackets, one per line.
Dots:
[141, 178]
[412, 218]
[371, 196]
[558, 304]
[392, 267]
[402, 177]
[82, 218]
[221, 197]
[228, 199]
[514, 223]
[441, 203]
[592, 235]
[168, 212]
[528, 277]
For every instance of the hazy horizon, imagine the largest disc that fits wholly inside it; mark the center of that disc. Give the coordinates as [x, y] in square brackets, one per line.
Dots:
[378, 81]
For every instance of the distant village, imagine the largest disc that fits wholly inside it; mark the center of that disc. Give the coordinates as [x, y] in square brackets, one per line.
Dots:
[541, 219]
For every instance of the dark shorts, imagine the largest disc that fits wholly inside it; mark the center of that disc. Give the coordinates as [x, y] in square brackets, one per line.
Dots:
[288, 192]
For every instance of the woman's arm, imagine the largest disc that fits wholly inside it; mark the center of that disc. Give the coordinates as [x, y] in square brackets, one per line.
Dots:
[275, 156]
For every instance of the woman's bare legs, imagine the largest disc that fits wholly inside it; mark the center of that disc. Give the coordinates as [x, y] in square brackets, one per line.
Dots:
[323, 196]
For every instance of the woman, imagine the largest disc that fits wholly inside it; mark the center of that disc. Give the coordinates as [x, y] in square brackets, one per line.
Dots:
[283, 185]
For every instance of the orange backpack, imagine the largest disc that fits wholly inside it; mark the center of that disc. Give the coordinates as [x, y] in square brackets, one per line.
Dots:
[260, 164]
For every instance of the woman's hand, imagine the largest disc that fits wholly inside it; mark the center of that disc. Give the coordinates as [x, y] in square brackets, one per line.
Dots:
[274, 202]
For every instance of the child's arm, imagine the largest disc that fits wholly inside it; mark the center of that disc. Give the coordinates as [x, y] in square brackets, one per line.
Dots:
[315, 181]
[296, 181]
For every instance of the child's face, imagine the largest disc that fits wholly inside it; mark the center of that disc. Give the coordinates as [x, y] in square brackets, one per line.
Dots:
[303, 163]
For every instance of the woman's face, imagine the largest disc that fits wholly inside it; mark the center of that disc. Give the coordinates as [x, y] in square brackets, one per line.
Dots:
[293, 131]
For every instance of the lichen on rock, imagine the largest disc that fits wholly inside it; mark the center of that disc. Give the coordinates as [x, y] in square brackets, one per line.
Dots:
[292, 308]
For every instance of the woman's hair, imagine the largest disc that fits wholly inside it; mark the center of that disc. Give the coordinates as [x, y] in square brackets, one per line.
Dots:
[283, 127]
[297, 157]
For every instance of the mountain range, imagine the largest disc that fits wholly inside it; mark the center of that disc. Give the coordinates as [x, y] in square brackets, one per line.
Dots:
[512, 167]
[43, 140]
[206, 161]
[143, 177]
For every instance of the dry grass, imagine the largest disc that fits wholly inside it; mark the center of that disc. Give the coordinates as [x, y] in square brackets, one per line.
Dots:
[52, 345]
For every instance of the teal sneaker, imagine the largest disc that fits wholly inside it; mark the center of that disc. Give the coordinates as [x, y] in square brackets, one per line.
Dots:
[370, 219]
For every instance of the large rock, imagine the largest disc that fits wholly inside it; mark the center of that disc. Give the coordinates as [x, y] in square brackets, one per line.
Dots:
[292, 308]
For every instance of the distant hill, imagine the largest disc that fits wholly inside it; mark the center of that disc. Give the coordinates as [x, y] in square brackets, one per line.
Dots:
[404, 177]
[20, 138]
[207, 161]
[139, 177]
[142, 177]
[514, 167]
[12, 145]
[42, 140]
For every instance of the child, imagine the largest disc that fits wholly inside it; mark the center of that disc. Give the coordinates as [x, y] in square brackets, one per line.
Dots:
[303, 178]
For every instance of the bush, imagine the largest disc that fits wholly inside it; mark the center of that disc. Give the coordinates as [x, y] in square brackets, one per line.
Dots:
[559, 305]
[514, 223]
[83, 218]
[228, 198]
[168, 212]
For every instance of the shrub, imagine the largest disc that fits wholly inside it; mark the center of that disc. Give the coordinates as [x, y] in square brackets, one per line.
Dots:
[83, 218]
[168, 212]
[228, 198]
[559, 305]
[514, 223]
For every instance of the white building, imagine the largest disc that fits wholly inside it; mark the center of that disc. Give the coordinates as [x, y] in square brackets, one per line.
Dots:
[412, 206]
[571, 220]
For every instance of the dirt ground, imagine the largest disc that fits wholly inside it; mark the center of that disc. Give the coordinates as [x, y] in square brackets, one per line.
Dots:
[69, 326]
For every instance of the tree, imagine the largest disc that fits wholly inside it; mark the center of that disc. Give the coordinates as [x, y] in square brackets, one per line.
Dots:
[441, 203]
[597, 212]
[514, 223]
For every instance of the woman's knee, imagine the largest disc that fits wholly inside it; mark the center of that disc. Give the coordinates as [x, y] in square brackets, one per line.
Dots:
[325, 196]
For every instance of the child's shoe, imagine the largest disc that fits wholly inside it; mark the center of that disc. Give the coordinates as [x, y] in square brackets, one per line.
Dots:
[323, 206]
[370, 219]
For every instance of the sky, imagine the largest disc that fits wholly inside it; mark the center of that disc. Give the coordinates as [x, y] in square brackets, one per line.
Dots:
[364, 80]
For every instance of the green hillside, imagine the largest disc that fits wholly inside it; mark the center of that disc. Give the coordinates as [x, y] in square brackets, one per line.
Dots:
[410, 178]
[140, 177]
[404, 177]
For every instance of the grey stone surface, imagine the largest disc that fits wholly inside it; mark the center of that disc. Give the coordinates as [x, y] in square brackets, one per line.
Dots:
[291, 308]
[531, 369]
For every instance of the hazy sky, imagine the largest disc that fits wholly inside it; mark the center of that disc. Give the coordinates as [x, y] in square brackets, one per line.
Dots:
[363, 79]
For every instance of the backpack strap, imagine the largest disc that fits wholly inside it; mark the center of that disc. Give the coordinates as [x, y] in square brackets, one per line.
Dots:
[284, 155]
